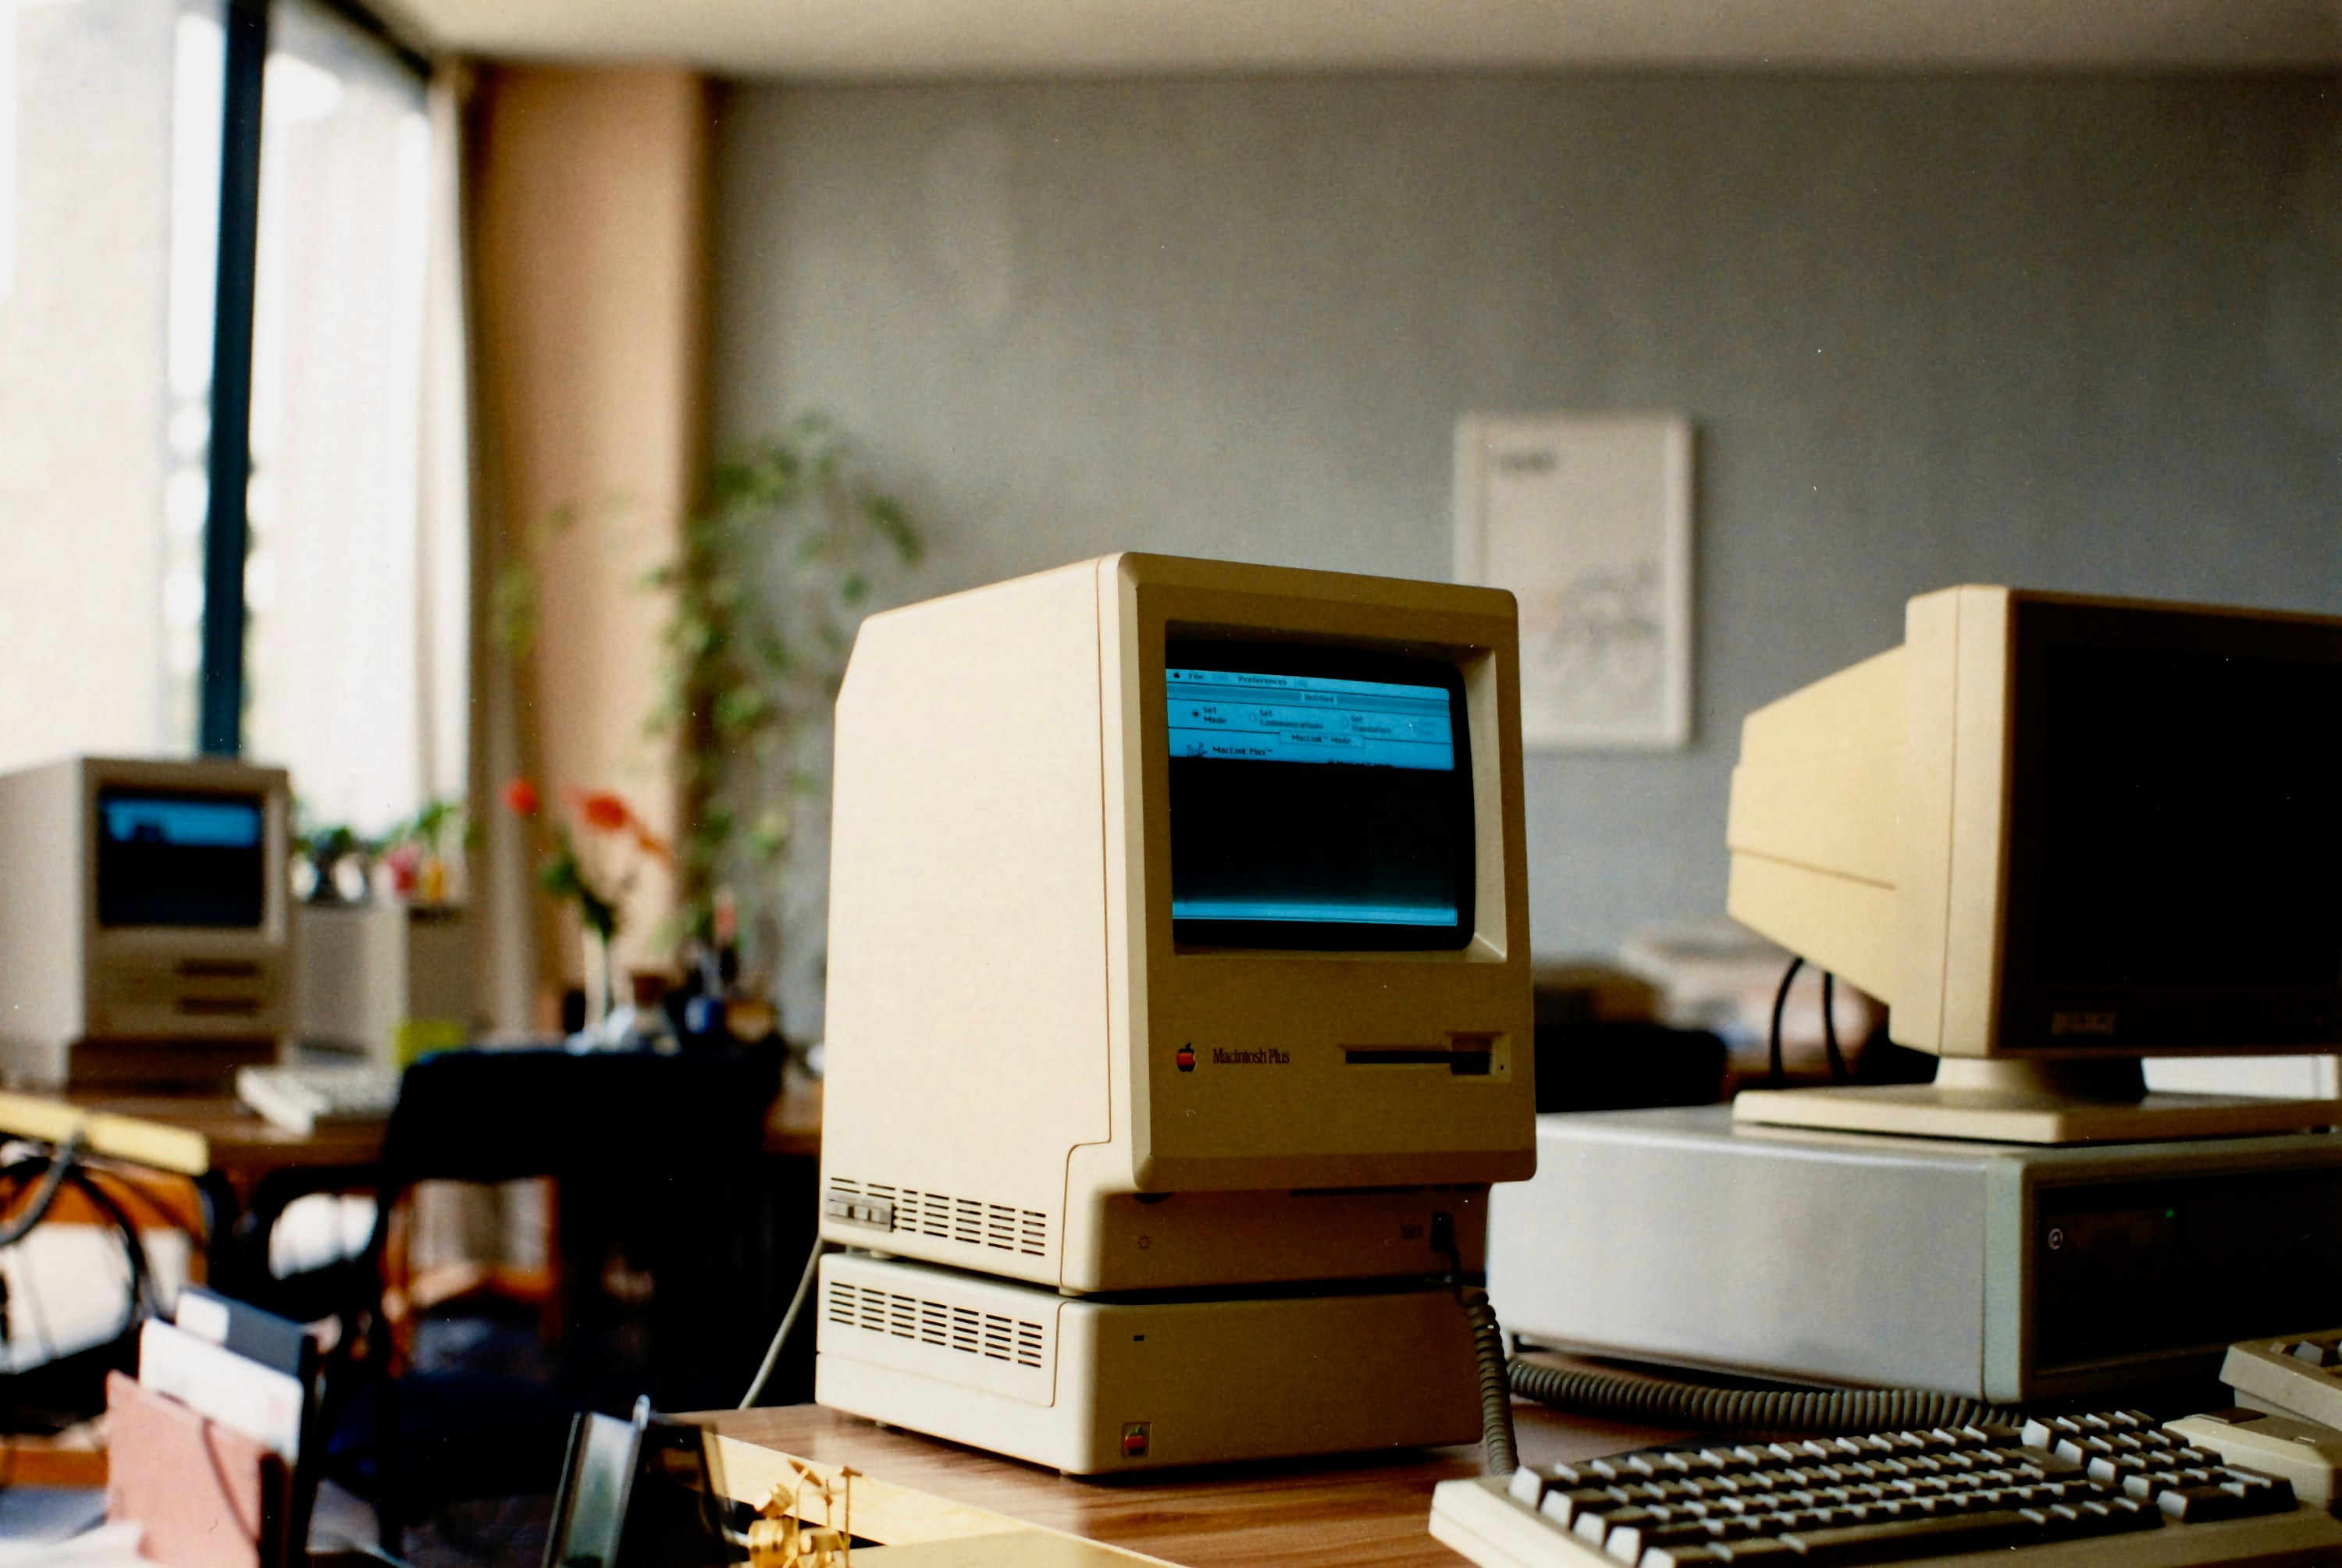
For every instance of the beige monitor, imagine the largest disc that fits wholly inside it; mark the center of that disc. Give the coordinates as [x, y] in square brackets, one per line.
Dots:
[2055, 836]
[145, 935]
[1179, 927]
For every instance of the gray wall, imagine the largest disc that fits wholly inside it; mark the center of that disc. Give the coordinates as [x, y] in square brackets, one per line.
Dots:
[2080, 333]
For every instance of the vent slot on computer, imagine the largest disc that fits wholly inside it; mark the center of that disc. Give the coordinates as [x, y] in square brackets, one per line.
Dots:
[993, 1335]
[970, 1222]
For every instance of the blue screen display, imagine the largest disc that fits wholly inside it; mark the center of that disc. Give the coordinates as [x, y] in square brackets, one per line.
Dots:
[1250, 717]
[1309, 800]
[162, 819]
[175, 859]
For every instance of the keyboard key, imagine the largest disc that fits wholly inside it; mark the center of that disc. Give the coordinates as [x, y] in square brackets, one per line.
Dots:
[1595, 1524]
[1623, 1537]
[2064, 1521]
[1895, 1540]
[1629, 1542]
[1747, 1554]
[1565, 1507]
[2232, 1499]
[2310, 1353]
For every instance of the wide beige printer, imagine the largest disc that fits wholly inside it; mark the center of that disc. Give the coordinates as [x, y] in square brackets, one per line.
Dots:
[145, 935]
[1179, 1011]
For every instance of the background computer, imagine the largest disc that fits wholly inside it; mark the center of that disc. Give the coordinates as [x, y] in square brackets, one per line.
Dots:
[1179, 1011]
[144, 937]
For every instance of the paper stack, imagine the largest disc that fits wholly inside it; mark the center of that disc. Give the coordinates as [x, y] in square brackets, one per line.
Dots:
[207, 1443]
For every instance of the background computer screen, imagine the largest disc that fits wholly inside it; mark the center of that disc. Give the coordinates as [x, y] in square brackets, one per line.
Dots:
[180, 859]
[2177, 827]
[1320, 798]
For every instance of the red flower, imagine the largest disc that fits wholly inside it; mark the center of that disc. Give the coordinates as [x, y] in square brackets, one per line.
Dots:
[520, 798]
[607, 812]
[603, 811]
[405, 863]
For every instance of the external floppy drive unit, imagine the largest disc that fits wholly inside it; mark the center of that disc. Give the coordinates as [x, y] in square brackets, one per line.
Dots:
[1092, 1385]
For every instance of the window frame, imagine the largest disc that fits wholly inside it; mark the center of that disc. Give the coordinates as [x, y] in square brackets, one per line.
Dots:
[221, 675]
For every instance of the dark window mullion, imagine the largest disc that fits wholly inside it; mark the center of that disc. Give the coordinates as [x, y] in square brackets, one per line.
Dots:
[225, 529]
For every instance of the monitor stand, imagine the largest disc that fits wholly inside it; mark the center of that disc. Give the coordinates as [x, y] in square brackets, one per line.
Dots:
[1996, 1101]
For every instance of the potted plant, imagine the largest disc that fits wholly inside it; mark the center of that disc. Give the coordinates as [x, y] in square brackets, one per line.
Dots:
[591, 865]
[776, 570]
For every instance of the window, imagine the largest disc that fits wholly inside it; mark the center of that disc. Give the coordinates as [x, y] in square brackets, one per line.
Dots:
[113, 162]
[344, 583]
[110, 114]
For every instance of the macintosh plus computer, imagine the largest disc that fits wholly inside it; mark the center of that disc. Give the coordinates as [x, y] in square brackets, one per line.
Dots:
[1179, 1011]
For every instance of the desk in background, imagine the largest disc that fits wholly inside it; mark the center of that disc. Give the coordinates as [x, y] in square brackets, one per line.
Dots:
[245, 1168]
[233, 1154]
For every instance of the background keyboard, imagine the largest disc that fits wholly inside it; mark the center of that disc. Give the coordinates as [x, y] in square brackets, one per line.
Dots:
[2114, 1488]
[298, 1099]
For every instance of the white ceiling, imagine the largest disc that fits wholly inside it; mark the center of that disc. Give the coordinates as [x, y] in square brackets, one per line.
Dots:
[913, 39]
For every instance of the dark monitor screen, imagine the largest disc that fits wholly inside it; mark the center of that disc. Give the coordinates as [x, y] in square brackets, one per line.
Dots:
[175, 858]
[2177, 829]
[1320, 798]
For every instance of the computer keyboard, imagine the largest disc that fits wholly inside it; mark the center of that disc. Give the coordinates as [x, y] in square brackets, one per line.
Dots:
[298, 1098]
[2300, 1374]
[2075, 1490]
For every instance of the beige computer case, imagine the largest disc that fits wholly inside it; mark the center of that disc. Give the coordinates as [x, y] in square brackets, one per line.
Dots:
[85, 1005]
[1006, 1005]
[1095, 1387]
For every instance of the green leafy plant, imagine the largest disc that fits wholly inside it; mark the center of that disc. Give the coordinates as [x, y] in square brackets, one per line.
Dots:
[514, 602]
[776, 570]
[325, 846]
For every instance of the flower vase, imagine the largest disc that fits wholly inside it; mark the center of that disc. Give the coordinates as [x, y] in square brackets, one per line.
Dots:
[599, 999]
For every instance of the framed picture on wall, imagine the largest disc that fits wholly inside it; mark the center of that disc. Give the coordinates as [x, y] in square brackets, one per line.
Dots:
[1587, 518]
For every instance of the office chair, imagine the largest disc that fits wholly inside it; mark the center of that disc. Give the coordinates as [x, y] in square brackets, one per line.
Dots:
[657, 1161]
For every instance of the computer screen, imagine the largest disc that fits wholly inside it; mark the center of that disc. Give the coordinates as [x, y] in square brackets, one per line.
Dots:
[2175, 844]
[1320, 797]
[172, 858]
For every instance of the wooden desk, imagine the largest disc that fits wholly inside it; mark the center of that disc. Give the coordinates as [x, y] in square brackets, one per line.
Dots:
[233, 1157]
[1309, 1512]
[213, 1135]
[187, 1134]
[792, 1124]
